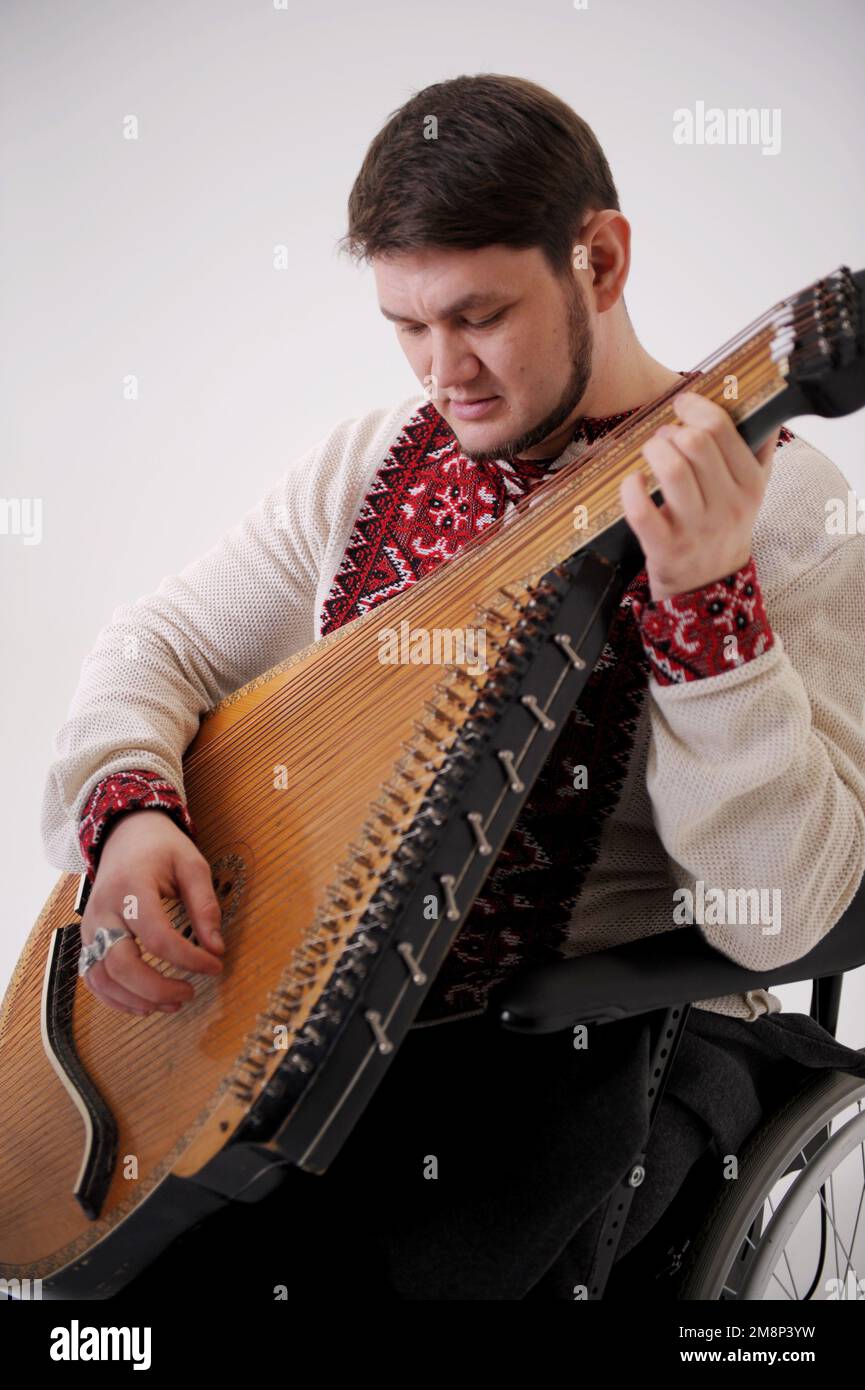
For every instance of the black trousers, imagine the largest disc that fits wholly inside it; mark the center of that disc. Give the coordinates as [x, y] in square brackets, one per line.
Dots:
[482, 1165]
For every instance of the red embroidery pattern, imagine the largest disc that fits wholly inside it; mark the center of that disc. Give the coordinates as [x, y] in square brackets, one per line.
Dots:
[424, 503]
[118, 794]
[707, 631]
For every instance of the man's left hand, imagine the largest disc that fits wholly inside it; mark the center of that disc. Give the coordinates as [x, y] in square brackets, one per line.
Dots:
[712, 485]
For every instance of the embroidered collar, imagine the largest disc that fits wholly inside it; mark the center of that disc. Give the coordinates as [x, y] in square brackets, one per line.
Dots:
[588, 430]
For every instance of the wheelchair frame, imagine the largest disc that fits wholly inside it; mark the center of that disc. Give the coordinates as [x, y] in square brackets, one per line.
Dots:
[662, 975]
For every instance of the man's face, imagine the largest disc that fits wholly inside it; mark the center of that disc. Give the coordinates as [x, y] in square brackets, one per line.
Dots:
[503, 346]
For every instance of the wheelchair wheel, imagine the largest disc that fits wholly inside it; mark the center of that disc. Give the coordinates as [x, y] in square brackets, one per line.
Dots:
[791, 1224]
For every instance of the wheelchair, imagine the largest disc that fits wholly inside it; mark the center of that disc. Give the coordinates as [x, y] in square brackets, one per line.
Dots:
[798, 1205]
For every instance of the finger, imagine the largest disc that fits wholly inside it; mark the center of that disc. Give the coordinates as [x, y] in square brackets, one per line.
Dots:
[679, 484]
[125, 968]
[112, 977]
[113, 995]
[107, 991]
[766, 453]
[696, 410]
[157, 935]
[195, 886]
[648, 522]
[715, 481]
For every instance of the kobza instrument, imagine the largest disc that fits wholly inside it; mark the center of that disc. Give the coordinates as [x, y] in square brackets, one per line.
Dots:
[120, 1131]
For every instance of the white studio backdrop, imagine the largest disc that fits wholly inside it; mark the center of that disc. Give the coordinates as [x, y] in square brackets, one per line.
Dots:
[153, 257]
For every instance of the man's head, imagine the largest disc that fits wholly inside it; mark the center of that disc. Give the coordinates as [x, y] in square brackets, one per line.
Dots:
[487, 210]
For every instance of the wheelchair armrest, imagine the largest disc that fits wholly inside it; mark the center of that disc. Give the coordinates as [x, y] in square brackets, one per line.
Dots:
[656, 972]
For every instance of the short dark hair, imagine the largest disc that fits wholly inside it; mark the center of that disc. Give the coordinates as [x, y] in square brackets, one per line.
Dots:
[510, 163]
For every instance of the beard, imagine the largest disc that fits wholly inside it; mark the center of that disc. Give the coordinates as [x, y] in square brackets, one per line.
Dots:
[580, 343]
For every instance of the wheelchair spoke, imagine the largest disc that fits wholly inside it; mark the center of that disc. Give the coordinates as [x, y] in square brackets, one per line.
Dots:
[835, 1236]
[780, 1281]
[858, 1209]
[786, 1261]
[831, 1217]
[855, 1229]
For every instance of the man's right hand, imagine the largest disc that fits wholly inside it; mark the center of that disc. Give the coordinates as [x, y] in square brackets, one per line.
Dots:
[146, 858]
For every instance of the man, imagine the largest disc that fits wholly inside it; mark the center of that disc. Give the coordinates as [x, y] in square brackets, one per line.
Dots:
[489, 215]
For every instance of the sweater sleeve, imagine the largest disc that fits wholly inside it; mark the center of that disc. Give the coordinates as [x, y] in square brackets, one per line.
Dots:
[166, 659]
[757, 773]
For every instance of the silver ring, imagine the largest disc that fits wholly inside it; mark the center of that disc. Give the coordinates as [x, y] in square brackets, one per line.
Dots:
[105, 938]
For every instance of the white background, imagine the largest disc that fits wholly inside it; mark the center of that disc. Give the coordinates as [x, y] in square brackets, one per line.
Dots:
[155, 257]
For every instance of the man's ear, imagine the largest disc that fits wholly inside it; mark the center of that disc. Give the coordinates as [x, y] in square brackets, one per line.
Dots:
[607, 238]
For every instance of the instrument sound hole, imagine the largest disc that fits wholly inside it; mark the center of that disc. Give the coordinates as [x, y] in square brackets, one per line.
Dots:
[229, 875]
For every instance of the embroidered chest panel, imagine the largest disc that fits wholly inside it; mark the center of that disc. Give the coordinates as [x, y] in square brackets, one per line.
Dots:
[426, 500]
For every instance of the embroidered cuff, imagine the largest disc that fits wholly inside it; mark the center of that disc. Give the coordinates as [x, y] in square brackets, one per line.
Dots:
[118, 794]
[707, 631]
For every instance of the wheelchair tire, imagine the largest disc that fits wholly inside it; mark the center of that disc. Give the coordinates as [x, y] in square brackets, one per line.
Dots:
[718, 1258]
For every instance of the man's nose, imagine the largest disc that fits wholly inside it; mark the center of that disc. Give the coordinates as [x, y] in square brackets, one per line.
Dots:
[452, 364]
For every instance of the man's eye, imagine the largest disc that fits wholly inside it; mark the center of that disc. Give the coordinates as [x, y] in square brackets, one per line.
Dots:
[485, 323]
[416, 328]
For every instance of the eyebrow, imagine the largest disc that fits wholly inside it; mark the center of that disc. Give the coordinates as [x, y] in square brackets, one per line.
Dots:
[469, 301]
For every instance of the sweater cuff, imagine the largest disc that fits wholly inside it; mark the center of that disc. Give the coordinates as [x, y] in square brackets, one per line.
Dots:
[117, 795]
[706, 631]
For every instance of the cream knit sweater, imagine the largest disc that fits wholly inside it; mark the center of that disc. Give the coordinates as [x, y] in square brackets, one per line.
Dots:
[752, 779]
